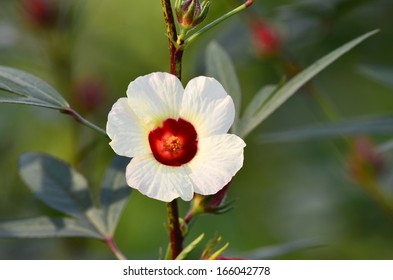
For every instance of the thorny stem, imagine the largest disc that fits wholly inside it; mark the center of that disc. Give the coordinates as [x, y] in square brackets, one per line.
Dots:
[176, 55]
[114, 249]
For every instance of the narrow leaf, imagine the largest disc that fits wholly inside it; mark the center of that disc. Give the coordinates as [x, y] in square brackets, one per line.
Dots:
[298, 81]
[380, 125]
[56, 184]
[382, 74]
[218, 253]
[44, 227]
[220, 66]
[248, 120]
[190, 247]
[22, 88]
[114, 192]
[271, 252]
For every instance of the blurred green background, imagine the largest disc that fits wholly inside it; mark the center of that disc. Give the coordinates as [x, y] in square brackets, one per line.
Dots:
[286, 192]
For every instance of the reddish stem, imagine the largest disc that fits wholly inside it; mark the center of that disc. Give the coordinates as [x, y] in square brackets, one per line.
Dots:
[176, 55]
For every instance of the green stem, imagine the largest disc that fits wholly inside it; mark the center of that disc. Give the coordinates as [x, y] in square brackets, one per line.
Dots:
[80, 119]
[217, 21]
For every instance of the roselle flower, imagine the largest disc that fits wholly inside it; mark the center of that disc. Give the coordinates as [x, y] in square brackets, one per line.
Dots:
[177, 137]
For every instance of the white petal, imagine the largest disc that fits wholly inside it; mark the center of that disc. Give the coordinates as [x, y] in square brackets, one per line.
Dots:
[207, 106]
[155, 97]
[128, 136]
[159, 181]
[216, 162]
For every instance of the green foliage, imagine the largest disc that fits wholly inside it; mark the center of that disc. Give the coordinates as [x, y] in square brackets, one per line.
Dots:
[374, 125]
[220, 66]
[114, 192]
[45, 227]
[59, 186]
[190, 247]
[288, 89]
[382, 74]
[22, 88]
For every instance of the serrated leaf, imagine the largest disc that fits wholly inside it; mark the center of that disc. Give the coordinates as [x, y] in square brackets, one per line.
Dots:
[114, 192]
[287, 90]
[190, 247]
[382, 74]
[220, 66]
[19, 87]
[380, 125]
[44, 227]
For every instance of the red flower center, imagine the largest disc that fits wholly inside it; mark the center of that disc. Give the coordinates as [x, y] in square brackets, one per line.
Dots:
[174, 143]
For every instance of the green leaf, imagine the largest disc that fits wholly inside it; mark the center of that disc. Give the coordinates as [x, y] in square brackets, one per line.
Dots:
[220, 66]
[271, 252]
[382, 74]
[114, 192]
[380, 125]
[58, 185]
[190, 247]
[297, 82]
[44, 227]
[262, 96]
[22, 88]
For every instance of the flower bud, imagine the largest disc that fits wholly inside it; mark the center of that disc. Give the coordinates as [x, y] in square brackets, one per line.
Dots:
[365, 164]
[190, 13]
[212, 204]
[266, 39]
[89, 95]
[41, 13]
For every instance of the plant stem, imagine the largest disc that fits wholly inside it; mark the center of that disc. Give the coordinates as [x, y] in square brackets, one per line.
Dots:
[110, 242]
[176, 55]
[175, 235]
[80, 119]
[217, 21]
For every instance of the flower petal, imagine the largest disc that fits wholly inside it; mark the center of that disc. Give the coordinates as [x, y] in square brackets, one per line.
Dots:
[159, 181]
[216, 162]
[155, 97]
[207, 106]
[128, 137]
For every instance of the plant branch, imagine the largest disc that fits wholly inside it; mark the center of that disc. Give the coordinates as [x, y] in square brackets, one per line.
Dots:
[176, 55]
[80, 119]
[175, 235]
[114, 249]
[218, 21]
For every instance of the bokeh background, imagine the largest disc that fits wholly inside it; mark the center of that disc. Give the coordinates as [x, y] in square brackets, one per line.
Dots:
[301, 193]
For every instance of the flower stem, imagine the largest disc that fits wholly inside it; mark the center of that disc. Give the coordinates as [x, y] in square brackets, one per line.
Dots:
[176, 51]
[176, 55]
[80, 119]
[175, 236]
[110, 242]
[217, 21]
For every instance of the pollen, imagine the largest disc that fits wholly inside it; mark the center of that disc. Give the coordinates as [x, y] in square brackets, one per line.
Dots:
[173, 144]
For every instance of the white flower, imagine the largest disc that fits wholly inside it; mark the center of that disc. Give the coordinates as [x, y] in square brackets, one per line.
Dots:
[177, 137]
